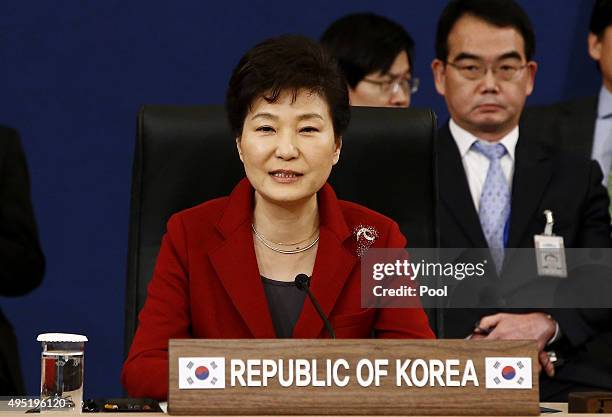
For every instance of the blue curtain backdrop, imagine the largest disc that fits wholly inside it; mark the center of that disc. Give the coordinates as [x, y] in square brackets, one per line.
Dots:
[73, 75]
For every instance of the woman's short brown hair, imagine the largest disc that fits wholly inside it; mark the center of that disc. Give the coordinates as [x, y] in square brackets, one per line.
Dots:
[286, 63]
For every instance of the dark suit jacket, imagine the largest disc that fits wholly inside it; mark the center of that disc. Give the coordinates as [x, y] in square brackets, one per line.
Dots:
[544, 178]
[206, 284]
[21, 259]
[569, 125]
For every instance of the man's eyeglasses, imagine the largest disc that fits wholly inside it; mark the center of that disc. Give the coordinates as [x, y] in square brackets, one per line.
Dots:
[477, 70]
[392, 86]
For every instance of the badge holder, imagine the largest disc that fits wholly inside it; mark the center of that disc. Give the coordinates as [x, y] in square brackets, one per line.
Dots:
[550, 251]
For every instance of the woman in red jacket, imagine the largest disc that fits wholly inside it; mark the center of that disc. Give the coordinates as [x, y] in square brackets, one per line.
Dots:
[226, 268]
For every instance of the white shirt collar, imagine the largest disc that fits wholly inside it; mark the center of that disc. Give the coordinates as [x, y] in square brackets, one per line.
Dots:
[465, 139]
[605, 103]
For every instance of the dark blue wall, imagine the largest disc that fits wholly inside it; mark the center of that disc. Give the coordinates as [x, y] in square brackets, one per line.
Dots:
[73, 75]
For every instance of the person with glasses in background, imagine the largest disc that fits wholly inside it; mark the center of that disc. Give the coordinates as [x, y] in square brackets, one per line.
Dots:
[496, 180]
[376, 56]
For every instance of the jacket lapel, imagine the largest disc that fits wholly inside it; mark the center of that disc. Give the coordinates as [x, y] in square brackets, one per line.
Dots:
[332, 268]
[236, 264]
[532, 173]
[333, 265]
[577, 126]
[454, 189]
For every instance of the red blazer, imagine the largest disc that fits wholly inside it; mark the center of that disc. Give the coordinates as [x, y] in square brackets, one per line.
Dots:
[206, 284]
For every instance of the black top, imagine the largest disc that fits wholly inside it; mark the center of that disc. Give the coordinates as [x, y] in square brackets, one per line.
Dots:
[22, 263]
[285, 301]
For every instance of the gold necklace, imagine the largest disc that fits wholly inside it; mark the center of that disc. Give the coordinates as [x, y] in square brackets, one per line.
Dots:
[265, 241]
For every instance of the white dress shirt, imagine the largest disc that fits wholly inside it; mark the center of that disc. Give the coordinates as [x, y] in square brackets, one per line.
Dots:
[476, 164]
[602, 140]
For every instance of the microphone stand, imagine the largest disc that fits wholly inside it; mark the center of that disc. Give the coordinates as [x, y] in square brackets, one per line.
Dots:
[302, 282]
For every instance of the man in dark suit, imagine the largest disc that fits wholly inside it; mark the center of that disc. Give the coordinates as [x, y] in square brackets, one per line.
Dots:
[495, 181]
[21, 260]
[584, 126]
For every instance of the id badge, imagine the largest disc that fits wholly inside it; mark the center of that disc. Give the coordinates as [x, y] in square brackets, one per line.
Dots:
[550, 251]
[550, 256]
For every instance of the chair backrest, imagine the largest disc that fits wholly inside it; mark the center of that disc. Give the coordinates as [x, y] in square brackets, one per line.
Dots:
[186, 155]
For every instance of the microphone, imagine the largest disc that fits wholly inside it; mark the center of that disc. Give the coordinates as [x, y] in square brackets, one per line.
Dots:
[302, 282]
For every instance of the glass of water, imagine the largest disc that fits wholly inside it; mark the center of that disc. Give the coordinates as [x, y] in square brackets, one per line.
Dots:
[61, 377]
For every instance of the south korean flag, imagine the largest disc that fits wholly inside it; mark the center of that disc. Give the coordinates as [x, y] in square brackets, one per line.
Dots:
[202, 373]
[508, 373]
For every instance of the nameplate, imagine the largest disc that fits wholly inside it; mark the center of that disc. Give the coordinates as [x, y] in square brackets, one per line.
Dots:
[353, 377]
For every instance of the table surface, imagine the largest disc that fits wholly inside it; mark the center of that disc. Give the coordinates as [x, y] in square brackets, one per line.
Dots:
[557, 406]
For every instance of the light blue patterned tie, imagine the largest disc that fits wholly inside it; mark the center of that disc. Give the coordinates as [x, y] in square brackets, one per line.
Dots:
[494, 201]
[609, 116]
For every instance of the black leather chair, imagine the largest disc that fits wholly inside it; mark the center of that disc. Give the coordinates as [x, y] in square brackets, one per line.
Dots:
[187, 155]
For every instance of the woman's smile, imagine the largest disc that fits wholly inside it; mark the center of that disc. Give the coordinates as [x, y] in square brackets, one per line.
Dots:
[284, 176]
